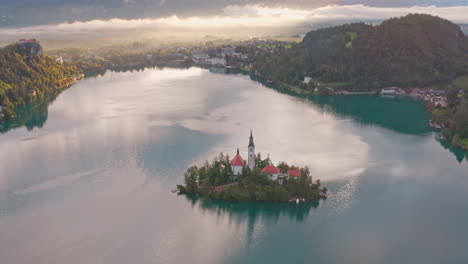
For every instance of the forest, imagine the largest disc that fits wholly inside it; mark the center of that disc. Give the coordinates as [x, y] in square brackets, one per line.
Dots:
[26, 78]
[415, 50]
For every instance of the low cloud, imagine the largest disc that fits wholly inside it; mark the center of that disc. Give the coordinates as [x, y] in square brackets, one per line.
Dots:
[248, 16]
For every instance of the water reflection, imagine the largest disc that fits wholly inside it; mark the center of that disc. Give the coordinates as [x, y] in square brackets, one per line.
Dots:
[459, 153]
[253, 215]
[252, 212]
[400, 114]
[31, 116]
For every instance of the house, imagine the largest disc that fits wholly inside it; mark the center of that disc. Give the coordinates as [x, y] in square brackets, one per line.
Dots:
[198, 57]
[416, 92]
[228, 51]
[149, 56]
[59, 60]
[217, 61]
[21, 41]
[237, 164]
[294, 173]
[32, 92]
[307, 79]
[272, 172]
[388, 90]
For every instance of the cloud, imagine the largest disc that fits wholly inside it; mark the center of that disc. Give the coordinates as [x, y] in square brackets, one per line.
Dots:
[248, 16]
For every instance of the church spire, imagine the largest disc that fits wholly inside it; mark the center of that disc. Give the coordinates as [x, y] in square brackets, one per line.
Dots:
[237, 151]
[251, 144]
[251, 160]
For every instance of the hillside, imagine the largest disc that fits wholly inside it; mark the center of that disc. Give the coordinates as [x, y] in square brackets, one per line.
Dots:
[415, 50]
[26, 76]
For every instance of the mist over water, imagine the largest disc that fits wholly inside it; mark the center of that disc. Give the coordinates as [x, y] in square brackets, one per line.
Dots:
[92, 183]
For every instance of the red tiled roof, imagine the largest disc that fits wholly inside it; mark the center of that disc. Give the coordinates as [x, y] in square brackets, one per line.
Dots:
[237, 161]
[294, 173]
[270, 169]
[219, 189]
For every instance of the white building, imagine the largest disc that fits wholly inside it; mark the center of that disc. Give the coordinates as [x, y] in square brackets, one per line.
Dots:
[217, 61]
[388, 90]
[237, 163]
[272, 172]
[199, 57]
[307, 79]
[59, 60]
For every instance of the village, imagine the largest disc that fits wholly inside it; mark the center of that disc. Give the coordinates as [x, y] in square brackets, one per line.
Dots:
[219, 53]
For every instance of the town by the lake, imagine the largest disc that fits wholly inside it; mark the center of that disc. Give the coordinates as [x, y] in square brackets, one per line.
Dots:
[225, 132]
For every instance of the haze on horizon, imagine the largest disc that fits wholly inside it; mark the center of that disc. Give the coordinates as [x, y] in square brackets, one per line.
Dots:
[104, 22]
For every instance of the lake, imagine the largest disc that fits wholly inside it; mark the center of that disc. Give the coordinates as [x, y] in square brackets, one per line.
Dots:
[87, 179]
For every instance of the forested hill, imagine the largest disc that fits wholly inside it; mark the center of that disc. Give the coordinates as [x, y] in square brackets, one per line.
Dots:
[26, 75]
[415, 50]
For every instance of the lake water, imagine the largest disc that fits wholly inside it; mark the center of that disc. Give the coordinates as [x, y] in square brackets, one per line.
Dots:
[89, 179]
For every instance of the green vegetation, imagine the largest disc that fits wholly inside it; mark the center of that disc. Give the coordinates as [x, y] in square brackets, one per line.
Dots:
[216, 181]
[454, 118]
[415, 50]
[26, 78]
[352, 36]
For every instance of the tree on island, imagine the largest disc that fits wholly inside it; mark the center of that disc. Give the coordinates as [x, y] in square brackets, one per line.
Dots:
[215, 180]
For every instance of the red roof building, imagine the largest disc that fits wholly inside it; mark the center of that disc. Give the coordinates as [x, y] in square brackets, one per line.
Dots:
[237, 160]
[270, 169]
[294, 173]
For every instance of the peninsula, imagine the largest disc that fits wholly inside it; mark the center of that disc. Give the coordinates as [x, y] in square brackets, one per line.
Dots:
[256, 179]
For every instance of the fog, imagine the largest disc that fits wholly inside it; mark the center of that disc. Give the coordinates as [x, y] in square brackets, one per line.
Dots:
[233, 22]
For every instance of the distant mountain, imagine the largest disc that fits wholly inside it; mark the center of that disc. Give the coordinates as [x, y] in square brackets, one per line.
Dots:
[26, 75]
[415, 50]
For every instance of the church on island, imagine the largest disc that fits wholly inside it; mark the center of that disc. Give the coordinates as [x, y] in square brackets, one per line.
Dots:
[274, 173]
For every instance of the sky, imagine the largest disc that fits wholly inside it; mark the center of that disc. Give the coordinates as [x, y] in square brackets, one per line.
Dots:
[78, 18]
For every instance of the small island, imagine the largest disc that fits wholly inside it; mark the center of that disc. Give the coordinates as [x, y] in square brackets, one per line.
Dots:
[256, 179]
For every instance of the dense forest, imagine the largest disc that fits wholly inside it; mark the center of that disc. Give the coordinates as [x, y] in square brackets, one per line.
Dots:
[415, 50]
[27, 76]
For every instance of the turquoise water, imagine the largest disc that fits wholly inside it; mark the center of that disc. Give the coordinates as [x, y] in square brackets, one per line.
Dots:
[87, 179]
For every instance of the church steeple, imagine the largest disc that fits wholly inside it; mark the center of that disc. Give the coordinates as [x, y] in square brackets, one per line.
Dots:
[251, 144]
[251, 160]
[237, 151]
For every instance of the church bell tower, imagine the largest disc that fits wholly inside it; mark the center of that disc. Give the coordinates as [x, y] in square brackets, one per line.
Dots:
[251, 161]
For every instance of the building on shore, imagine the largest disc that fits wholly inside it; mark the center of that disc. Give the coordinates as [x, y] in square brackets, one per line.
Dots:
[388, 90]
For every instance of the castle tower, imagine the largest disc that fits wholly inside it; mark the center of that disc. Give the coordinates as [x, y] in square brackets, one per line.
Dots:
[251, 161]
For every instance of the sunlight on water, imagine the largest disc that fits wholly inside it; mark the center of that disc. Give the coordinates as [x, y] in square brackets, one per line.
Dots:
[93, 184]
